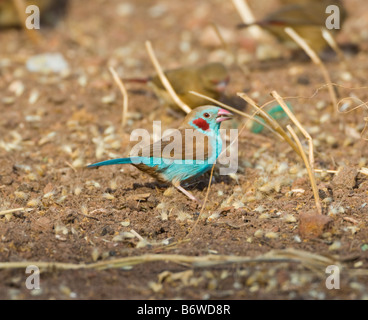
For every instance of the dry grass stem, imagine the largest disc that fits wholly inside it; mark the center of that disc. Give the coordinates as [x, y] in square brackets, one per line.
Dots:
[226, 46]
[124, 92]
[250, 117]
[248, 18]
[137, 235]
[271, 122]
[309, 163]
[2, 213]
[362, 171]
[204, 202]
[362, 104]
[70, 166]
[309, 169]
[298, 124]
[327, 35]
[164, 80]
[314, 57]
[309, 260]
[221, 38]
[327, 171]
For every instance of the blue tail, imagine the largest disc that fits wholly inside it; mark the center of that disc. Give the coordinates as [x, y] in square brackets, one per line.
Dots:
[112, 161]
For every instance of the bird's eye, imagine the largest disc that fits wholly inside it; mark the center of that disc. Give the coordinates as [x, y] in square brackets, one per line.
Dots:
[206, 115]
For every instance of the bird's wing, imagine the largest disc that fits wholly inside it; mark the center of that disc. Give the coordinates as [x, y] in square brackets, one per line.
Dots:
[299, 14]
[183, 143]
[182, 80]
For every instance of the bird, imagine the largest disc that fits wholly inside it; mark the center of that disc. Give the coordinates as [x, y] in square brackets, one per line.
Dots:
[179, 159]
[9, 16]
[49, 10]
[210, 79]
[306, 17]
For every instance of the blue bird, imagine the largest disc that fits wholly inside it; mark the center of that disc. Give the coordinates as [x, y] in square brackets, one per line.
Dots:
[188, 152]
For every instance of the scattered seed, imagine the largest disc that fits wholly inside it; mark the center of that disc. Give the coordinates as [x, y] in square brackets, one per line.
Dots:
[271, 235]
[108, 196]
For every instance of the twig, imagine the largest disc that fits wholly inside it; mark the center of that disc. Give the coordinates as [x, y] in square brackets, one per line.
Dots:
[298, 124]
[204, 202]
[219, 35]
[225, 45]
[350, 219]
[164, 80]
[2, 213]
[124, 92]
[288, 255]
[309, 169]
[327, 35]
[314, 57]
[70, 165]
[362, 104]
[137, 235]
[308, 163]
[327, 171]
[272, 122]
[248, 18]
[362, 170]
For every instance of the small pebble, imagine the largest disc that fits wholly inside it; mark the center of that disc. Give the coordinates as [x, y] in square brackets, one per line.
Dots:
[335, 246]
[47, 63]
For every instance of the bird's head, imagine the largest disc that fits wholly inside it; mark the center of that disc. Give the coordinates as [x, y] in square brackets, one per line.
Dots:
[206, 119]
[215, 77]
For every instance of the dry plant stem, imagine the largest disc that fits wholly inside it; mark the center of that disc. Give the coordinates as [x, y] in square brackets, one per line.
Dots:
[314, 57]
[70, 166]
[204, 202]
[20, 6]
[221, 38]
[2, 213]
[225, 44]
[164, 80]
[272, 122]
[250, 117]
[298, 124]
[308, 163]
[307, 259]
[137, 235]
[247, 17]
[362, 171]
[309, 169]
[327, 35]
[123, 92]
[327, 171]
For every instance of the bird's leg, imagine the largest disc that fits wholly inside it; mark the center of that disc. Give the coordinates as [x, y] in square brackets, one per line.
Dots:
[187, 193]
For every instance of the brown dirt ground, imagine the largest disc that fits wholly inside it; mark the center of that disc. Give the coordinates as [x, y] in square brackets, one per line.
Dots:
[77, 215]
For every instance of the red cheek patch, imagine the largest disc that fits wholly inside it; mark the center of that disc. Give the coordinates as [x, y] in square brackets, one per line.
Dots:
[202, 124]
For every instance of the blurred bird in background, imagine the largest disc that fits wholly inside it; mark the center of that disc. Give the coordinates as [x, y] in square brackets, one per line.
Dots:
[193, 160]
[50, 10]
[210, 79]
[306, 17]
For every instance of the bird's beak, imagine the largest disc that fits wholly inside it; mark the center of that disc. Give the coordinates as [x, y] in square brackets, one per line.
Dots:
[223, 115]
[221, 85]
